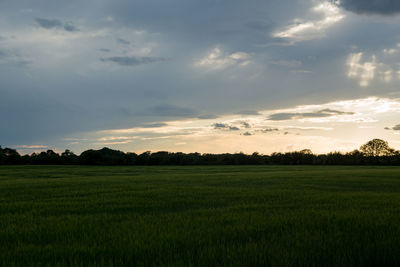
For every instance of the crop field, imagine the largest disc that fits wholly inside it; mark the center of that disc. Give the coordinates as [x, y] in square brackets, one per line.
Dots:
[199, 216]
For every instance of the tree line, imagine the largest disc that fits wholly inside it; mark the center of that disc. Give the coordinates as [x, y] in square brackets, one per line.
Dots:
[374, 152]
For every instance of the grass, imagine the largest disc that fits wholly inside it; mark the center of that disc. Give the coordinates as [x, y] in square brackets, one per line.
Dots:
[199, 216]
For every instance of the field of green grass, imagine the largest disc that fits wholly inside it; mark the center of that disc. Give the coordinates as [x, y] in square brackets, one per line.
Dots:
[199, 216]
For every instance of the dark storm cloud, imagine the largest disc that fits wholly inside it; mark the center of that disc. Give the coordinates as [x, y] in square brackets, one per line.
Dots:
[70, 28]
[382, 7]
[181, 29]
[123, 41]
[318, 114]
[224, 126]
[133, 61]
[48, 23]
[171, 111]
[56, 24]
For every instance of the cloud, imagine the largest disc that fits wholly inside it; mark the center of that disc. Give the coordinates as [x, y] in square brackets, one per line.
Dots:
[245, 124]
[105, 50]
[381, 66]
[365, 72]
[219, 60]
[70, 27]
[318, 114]
[381, 7]
[49, 23]
[154, 125]
[390, 51]
[268, 130]
[123, 41]
[301, 30]
[224, 126]
[395, 128]
[207, 117]
[31, 147]
[172, 111]
[132, 61]
[220, 125]
[56, 24]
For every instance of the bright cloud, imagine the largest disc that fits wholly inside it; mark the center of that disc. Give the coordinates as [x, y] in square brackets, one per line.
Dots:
[365, 72]
[319, 127]
[300, 30]
[127, 68]
[218, 60]
[382, 67]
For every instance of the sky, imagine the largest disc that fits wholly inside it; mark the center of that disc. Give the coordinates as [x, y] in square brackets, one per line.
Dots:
[209, 76]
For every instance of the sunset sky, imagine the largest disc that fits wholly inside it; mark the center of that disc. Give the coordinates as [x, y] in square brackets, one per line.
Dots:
[199, 76]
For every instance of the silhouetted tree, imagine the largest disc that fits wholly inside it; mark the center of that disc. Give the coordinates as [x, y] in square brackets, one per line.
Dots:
[377, 148]
[306, 151]
[68, 157]
[375, 152]
[143, 159]
[104, 156]
[9, 156]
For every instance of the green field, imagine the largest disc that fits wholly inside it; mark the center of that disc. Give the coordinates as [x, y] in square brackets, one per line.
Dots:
[199, 216]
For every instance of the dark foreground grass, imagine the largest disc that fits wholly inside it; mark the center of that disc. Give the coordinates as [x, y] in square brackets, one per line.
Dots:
[199, 216]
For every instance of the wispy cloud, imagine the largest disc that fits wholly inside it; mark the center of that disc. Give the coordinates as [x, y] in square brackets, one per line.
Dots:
[301, 30]
[382, 66]
[219, 60]
[123, 41]
[313, 126]
[365, 72]
[224, 126]
[56, 24]
[48, 23]
[394, 128]
[317, 114]
[31, 147]
[207, 117]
